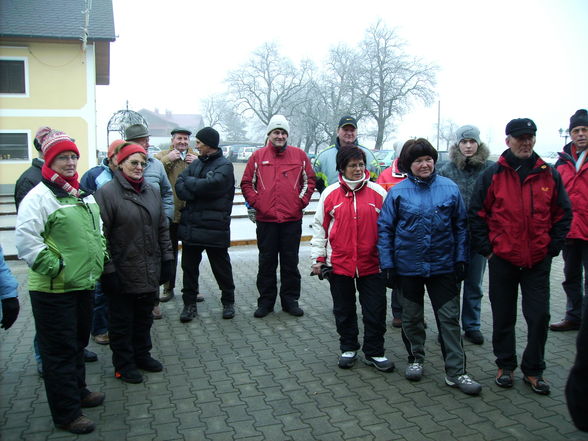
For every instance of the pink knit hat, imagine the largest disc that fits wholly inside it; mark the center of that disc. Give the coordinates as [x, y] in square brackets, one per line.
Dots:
[57, 142]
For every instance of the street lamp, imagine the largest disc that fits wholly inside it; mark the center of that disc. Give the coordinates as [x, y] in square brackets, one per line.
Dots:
[564, 134]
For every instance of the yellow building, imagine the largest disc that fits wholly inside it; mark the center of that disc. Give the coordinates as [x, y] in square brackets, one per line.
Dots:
[52, 57]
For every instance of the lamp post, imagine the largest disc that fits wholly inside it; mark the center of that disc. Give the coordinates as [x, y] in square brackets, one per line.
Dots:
[564, 134]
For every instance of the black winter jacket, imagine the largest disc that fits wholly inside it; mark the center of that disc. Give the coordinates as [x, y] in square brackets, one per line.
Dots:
[29, 179]
[137, 232]
[208, 187]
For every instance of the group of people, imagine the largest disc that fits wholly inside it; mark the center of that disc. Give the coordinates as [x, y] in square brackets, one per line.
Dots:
[99, 248]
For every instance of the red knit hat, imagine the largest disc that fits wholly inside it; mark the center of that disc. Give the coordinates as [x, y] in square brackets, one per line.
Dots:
[128, 150]
[57, 142]
[113, 146]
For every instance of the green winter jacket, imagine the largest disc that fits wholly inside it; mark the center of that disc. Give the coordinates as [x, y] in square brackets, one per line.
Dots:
[60, 238]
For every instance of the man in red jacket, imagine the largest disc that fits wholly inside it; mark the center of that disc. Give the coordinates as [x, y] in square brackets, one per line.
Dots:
[277, 183]
[519, 216]
[572, 165]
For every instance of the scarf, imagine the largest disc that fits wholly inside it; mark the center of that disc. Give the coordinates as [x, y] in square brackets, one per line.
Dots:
[71, 184]
[135, 183]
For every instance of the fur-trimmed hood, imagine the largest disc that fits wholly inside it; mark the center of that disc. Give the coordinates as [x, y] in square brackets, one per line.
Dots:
[476, 161]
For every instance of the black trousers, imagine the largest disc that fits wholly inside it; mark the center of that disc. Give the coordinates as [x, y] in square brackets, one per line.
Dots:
[173, 235]
[220, 263]
[504, 281]
[372, 298]
[278, 241]
[63, 322]
[129, 328]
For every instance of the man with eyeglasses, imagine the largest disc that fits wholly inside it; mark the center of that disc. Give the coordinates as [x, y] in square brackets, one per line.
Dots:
[155, 175]
[519, 216]
[175, 160]
[277, 183]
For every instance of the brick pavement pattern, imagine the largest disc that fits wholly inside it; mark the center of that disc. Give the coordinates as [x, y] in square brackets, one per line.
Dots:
[277, 379]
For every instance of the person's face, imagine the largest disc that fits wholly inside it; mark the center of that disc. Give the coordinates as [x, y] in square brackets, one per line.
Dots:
[580, 137]
[180, 141]
[354, 170]
[203, 149]
[143, 142]
[134, 165]
[347, 134]
[278, 137]
[423, 167]
[66, 163]
[468, 147]
[521, 146]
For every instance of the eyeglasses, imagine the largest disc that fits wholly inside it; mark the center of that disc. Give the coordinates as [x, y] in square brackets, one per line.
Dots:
[66, 158]
[135, 164]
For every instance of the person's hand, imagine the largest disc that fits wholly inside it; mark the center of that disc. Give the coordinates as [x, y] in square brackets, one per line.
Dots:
[190, 157]
[316, 268]
[322, 270]
[391, 278]
[173, 155]
[110, 283]
[10, 309]
[167, 271]
[460, 271]
[251, 215]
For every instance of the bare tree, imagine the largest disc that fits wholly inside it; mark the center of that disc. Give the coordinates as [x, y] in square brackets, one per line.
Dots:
[267, 84]
[447, 131]
[390, 80]
[219, 112]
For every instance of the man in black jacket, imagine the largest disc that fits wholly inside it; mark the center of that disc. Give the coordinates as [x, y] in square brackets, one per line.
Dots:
[208, 187]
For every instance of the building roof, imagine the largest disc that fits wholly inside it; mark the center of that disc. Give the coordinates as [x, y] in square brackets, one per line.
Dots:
[56, 19]
[161, 125]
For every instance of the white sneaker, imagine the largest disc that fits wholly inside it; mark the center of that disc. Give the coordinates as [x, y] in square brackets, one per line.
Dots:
[414, 371]
[465, 383]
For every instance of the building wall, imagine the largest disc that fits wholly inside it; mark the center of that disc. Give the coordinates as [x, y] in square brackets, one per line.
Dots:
[61, 94]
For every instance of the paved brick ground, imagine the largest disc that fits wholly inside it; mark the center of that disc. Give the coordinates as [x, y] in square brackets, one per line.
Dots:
[276, 379]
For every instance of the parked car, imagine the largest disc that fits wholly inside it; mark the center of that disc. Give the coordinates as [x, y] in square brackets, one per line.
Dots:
[385, 158]
[245, 154]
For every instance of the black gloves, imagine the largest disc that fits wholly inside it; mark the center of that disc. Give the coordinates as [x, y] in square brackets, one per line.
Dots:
[391, 278]
[167, 271]
[110, 283]
[460, 271]
[10, 308]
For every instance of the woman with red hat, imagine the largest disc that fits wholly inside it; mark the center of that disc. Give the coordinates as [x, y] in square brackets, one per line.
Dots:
[58, 234]
[137, 232]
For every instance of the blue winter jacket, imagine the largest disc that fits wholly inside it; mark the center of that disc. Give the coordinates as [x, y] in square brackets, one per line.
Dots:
[422, 228]
[8, 283]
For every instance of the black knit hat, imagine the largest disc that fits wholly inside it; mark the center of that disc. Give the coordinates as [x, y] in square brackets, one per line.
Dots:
[580, 118]
[208, 136]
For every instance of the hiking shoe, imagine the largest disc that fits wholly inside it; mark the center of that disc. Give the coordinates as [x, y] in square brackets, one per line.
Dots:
[93, 399]
[474, 337]
[149, 364]
[80, 425]
[347, 359]
[465, 383]
[89, 356]
[504, 378]
[157, 315]
[294, 310]
[199, 298]
[102, 339]
[168, 294]
[380, 363]
[228, 311]
[188, 313]
[414, 371]
[129, 376]
[538, 384]
[262, 312]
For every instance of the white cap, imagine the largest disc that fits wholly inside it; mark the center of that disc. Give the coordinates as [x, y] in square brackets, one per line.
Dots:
[278, 122]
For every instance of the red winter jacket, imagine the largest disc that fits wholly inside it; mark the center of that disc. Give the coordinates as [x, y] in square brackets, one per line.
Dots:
[391, 176]
[519, 222]
[576, 183]
[346, 228]
[278, 184]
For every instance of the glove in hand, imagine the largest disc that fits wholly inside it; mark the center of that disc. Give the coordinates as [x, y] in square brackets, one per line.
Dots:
[10, 309]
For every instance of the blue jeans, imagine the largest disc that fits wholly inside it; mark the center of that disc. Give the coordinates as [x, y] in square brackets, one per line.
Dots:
[472, 292]
[575, 254]
[100, 315]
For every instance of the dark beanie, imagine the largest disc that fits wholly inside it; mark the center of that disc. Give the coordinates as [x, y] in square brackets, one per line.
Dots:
[208, 136]
[580, 118]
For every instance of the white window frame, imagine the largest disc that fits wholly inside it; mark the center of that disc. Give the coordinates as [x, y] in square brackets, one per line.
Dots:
[29, 152]
[26, 78]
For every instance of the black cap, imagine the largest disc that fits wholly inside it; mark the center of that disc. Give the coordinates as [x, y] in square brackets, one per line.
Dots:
[208, 136]
[347, 121]
[180, 130]
[521, 126]
[580, 118]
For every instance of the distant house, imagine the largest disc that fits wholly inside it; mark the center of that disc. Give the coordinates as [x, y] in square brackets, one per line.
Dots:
[52, 57]
[161, 125]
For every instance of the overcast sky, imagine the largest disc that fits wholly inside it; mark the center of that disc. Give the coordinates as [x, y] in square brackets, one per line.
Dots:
[498, 60]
